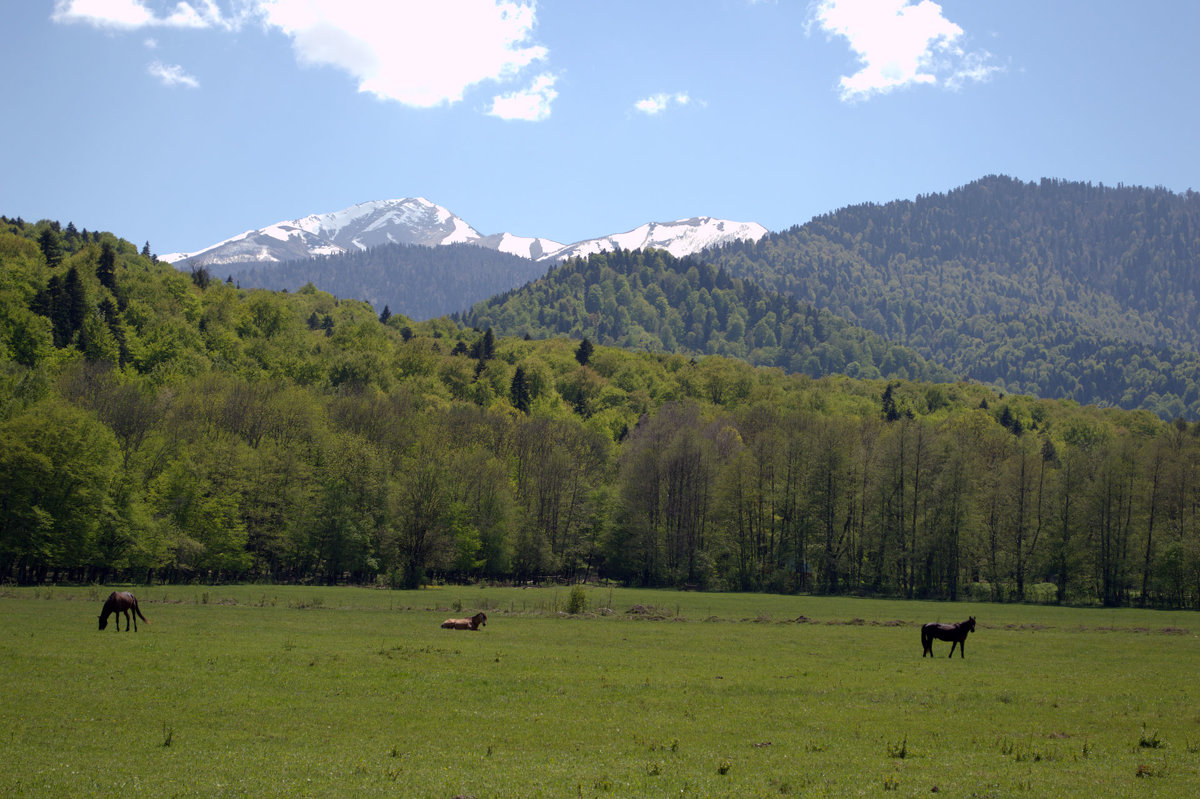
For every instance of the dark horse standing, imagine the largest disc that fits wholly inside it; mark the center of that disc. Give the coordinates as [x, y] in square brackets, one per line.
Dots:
[957, 633]
[121, 602]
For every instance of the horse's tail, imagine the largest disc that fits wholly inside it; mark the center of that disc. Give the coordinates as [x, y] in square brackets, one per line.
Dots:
[138, 611]
[926, 637]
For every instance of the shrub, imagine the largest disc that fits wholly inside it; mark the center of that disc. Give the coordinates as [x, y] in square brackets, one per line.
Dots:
[577, 601]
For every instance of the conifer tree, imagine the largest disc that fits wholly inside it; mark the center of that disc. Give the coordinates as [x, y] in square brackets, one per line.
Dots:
[75, 301]
[51, 246]
[106, 267]
[890, 413]
[584, 353]
[519, 393]
[489, 346]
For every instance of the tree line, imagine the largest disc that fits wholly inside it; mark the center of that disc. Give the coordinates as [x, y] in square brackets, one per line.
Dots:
[204, 432]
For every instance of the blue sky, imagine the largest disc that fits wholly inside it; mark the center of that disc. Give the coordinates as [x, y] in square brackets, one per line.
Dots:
[184, 123]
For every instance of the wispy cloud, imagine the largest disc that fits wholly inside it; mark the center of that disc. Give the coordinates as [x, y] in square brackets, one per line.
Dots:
[172, 75]
[134, 14]
[420, 53]
[530, 105]
[657, 103]
[900, 43]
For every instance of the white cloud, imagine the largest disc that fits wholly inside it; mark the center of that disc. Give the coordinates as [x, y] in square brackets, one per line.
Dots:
[657, 103]
[133, 14]
[531, 105]
[900, 43]
[172, 75]
[420, 53]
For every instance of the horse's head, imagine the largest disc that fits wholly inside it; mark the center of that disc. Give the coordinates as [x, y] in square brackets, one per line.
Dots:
[971, 624]
[103, 622]
[479, 620]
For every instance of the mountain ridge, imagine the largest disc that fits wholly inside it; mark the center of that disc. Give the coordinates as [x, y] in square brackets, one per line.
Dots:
[416, 220]
[1051, 288]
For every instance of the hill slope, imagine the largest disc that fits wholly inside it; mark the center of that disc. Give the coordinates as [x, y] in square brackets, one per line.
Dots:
[418, 281]
[174, 427]
[1056, 289]
[650, 300]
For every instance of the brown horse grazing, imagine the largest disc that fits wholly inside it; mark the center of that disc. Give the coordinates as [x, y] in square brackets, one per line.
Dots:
[473, 623]
[957, 633]
[119, 602]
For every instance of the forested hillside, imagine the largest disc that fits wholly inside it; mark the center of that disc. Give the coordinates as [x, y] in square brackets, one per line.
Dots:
[655, 302]
[157, 425]
[1056, 289]
[416, 281]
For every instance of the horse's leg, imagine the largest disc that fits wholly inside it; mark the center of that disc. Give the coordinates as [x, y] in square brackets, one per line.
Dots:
[962, 648]
[952, 645]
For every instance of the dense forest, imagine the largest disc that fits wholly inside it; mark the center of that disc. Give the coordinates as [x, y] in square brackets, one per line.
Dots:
[408, 279]
[655, 302]
[1056, 289]
[156, 425]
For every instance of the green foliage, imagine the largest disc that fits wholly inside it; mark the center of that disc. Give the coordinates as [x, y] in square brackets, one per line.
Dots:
[1056, 289]
[655, 302]
[197, 431]
[519, 391]
[584, 353]
[577, 600]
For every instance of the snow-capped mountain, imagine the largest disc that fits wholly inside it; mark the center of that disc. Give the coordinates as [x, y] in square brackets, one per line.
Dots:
[680, 238]
[360, 227]
[419, 221]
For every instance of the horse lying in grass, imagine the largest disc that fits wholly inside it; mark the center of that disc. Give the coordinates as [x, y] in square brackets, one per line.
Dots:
[956, 633]
[473, 623]
[119, 602]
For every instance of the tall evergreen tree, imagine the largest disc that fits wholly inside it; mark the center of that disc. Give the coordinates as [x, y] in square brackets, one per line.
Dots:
[584, 353]
[51, 246]
[488, 350]
[890, 412]
[106, 267]
[519, 393]
[76, 301]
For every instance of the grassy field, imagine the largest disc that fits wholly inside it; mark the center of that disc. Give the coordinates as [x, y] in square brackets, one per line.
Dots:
[297, 691]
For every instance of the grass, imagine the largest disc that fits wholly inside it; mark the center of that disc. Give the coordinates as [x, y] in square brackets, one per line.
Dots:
[300, 691]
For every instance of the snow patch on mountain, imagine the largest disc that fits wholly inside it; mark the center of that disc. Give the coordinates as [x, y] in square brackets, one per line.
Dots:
[680, 238]
[415, 220]
[531, 248]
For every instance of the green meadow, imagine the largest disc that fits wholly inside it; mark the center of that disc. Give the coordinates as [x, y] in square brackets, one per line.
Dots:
[307, 691]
